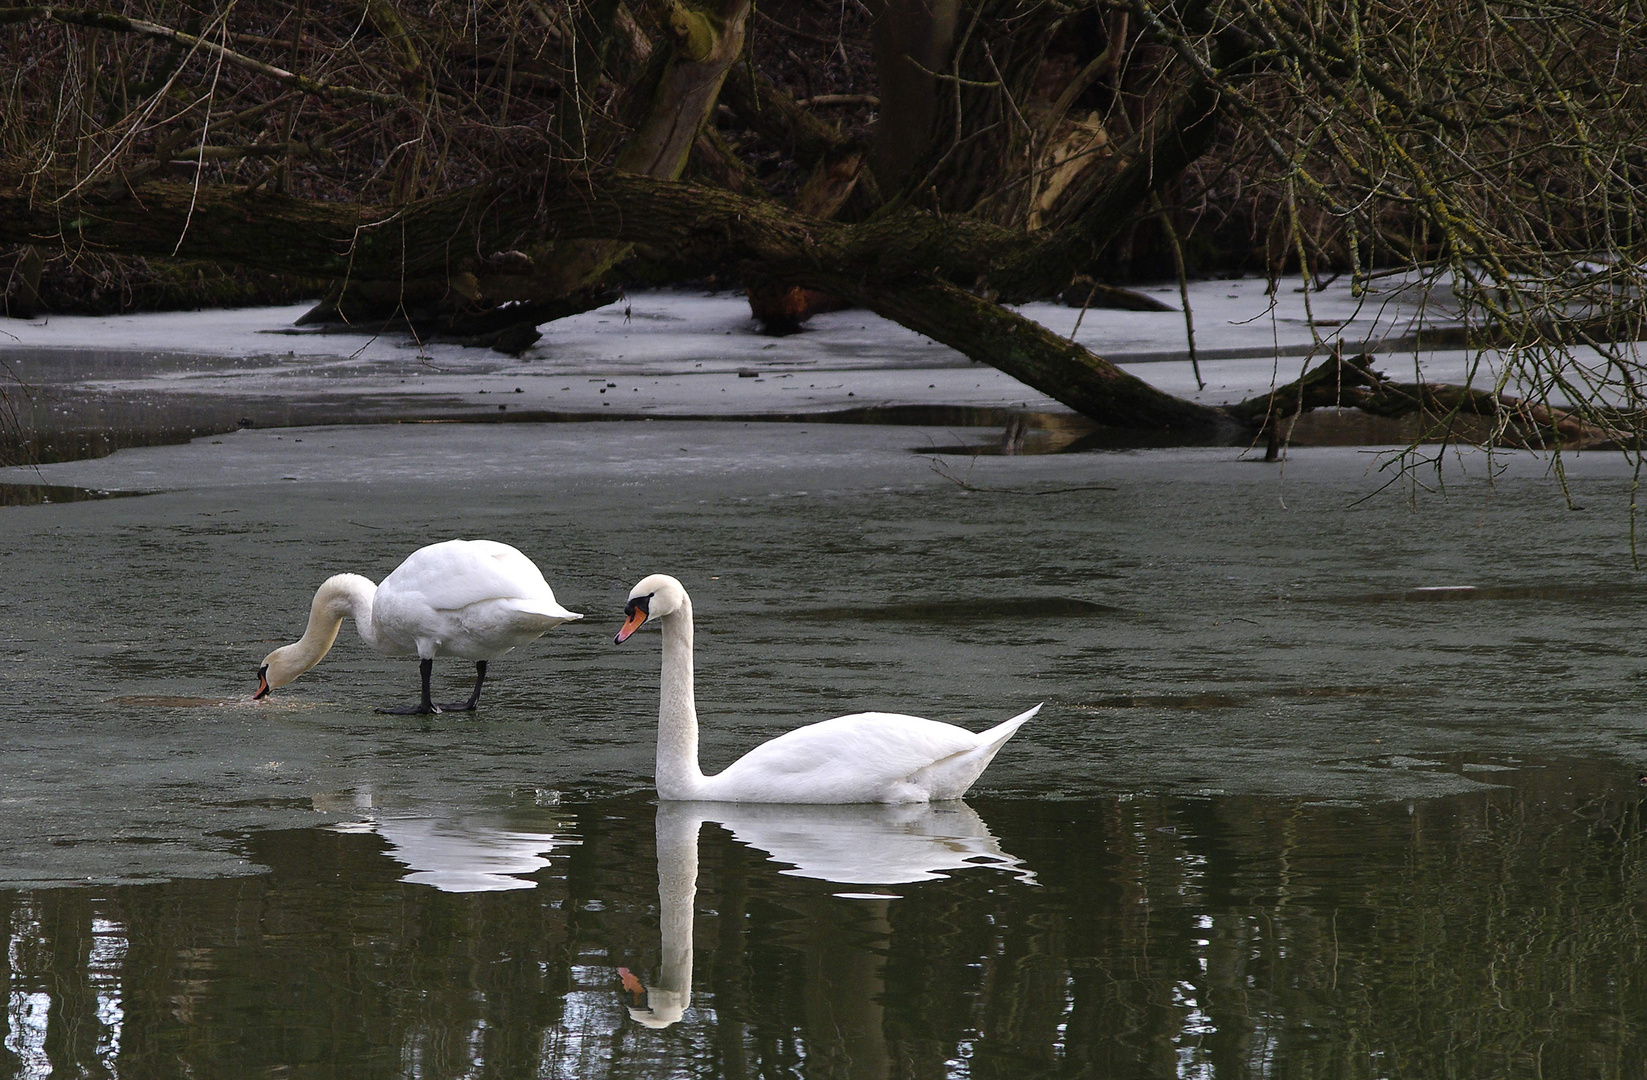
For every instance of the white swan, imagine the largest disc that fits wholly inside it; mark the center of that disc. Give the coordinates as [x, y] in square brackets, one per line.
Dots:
[862, 758]
[471, 598]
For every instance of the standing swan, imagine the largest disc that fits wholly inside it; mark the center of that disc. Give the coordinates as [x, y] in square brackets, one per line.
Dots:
[471, 598]
[862, 758]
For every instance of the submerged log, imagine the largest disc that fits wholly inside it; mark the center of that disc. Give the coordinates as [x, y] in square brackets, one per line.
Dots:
[1341, 382]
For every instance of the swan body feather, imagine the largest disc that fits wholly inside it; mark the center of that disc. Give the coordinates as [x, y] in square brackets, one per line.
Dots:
[871, 757]
[474, 599]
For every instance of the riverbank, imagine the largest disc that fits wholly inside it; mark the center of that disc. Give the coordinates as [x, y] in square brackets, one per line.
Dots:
[88, 385]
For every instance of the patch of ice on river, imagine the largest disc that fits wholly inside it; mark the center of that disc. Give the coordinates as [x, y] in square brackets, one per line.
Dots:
[677, 350]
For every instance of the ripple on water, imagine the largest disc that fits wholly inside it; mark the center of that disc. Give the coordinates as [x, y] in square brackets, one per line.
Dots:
[42, 494]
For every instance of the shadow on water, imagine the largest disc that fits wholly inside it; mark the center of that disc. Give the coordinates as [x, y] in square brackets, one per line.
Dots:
[66, 421]
[1494, 933]
[74, 424]
[1031, 433]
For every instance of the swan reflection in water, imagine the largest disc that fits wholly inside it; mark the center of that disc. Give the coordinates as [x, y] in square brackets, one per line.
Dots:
[867, 846]
[458, 853]
[849, 845]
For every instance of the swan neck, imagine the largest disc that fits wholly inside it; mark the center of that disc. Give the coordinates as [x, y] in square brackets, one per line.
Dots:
[340, 596]
[678, 775]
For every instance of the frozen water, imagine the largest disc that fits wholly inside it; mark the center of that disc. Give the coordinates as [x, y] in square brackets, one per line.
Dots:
[673, 353]
[1194, 620]
[1310, 750]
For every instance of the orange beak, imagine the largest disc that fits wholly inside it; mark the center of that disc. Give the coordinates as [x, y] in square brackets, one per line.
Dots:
[262, 686]
[630, 625]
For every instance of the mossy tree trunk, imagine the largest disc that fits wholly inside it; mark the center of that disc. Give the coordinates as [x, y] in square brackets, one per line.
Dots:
[704, 43]
[875, 263]
[551, 280]
[1049, 132]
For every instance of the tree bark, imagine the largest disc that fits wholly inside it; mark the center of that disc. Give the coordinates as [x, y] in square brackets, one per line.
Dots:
[878, 264]
[913, 40]
[1035, 356]
[706, 42]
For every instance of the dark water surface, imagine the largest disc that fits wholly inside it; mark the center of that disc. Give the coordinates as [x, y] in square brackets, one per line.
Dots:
[1492, 934]
[1325, 786]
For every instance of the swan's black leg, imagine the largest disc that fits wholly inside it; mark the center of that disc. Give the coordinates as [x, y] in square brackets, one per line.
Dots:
[424, 707]
[474, 698]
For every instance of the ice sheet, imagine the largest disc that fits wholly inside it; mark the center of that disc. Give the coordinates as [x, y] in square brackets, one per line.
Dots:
[681, 353]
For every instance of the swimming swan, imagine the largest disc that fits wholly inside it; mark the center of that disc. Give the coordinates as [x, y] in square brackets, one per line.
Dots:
[471, 598]
[862, 758]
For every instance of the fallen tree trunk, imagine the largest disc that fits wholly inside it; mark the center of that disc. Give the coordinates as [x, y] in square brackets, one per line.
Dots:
[478, 233]
[1035, 356]
[427, 246]
[1340, 382]
[460, 237]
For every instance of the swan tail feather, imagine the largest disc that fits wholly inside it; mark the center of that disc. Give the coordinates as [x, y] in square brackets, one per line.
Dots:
[950, 777]
[1005, 728]
[548, 610]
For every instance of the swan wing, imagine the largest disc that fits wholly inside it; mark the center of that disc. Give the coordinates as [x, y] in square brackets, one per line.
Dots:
[865, 757]
[476, 599]
[457, 573]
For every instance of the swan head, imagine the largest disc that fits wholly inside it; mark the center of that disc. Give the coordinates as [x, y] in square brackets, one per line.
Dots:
[279, 668]
[652, 598]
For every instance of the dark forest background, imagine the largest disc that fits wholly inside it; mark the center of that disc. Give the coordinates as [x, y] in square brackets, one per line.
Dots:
[475, 171]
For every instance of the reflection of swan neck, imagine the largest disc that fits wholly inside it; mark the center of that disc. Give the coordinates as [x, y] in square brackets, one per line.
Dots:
[677, 833]
[678, 775]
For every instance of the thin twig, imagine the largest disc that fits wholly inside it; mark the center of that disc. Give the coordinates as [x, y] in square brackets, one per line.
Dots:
[103, 20]
[205, 128]
[939, 468]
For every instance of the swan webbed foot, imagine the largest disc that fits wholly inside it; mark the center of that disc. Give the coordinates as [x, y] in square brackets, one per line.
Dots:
[474, 697]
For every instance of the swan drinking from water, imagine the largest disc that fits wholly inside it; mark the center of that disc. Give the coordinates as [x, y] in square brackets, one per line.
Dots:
[862, 758]
[476, 599]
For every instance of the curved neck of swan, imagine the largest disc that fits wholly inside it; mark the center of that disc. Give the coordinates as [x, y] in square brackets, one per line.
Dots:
[678, 775]
[338, 596]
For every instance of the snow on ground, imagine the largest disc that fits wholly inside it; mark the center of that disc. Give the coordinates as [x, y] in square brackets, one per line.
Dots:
[677, 352]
